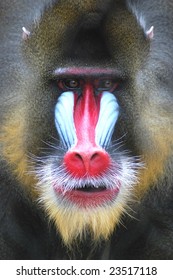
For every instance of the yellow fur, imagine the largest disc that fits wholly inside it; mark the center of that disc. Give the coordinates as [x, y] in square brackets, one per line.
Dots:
[161, 141]
[14, 150]
[73, 222]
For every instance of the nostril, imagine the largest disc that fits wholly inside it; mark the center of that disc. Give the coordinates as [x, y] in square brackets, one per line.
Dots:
[94, 156]
[78, 156]
[91, 163]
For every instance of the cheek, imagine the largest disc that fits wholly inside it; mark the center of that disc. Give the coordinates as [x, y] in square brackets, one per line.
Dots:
[64, 120]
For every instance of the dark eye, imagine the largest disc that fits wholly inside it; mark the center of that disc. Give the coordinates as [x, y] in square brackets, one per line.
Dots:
[71, 83]
[106, 84]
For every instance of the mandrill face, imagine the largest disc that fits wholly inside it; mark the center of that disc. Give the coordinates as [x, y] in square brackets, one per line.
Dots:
[87, 182]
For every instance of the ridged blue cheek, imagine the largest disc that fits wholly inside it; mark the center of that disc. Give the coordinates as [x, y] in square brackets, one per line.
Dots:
[108, 116]
[64, 120]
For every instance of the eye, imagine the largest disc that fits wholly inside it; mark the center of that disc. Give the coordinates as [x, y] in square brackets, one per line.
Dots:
[71, 83]
[106, 84]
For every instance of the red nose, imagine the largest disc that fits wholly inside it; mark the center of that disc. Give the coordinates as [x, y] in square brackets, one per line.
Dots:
[80, 162]
[86, 157]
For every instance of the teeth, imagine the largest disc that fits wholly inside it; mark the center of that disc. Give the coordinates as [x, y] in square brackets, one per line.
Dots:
[90, 188]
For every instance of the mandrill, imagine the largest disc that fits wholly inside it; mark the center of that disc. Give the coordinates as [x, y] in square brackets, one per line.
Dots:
[86, 133]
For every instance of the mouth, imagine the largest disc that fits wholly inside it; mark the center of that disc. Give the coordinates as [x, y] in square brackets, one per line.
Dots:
[90, 188]
[88, 195]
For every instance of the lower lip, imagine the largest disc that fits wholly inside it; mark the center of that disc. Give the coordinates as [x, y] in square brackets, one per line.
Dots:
[89, 199]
